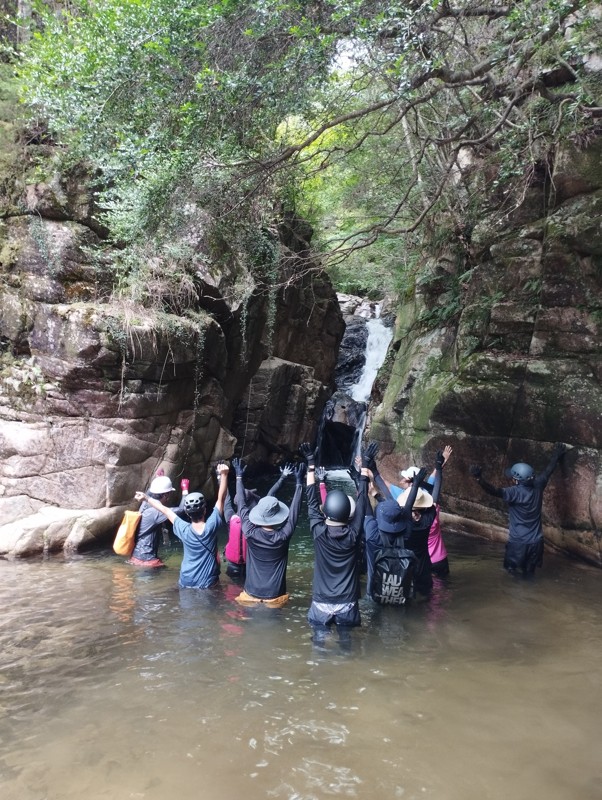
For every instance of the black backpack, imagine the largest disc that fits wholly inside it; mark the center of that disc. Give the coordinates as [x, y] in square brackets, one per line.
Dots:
[393, 576]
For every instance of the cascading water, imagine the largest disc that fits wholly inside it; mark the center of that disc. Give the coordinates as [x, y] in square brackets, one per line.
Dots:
[344, 419]
[379, 338]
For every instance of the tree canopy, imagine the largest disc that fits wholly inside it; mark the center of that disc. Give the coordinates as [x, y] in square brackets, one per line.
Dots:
[369, 118]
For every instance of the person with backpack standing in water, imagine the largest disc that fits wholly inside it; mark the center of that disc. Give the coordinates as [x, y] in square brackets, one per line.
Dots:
[524, 549]
[337, 542]
[200, 567]
[150, 528]
[391, 565]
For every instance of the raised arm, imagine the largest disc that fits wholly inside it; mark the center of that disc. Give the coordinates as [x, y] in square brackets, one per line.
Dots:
[309, 454]
[557, 453]
[171, 515]
[285, 471]
[416, 481]
[369, 458]
[222, 472]
[476, 472]
[438, 473]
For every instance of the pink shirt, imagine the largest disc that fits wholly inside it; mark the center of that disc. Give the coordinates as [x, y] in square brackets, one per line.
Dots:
[437, 550]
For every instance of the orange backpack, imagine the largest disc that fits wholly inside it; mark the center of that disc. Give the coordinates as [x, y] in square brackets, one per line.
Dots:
[126, 533]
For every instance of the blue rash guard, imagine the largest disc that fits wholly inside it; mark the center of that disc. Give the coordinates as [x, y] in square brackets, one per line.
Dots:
[200, 568]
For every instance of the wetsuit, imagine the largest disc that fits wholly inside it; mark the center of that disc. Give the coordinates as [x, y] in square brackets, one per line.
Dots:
[336, 581]
[267, 550]
[524, 549]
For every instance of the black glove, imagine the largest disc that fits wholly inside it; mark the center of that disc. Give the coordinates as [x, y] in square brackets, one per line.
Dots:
[238, 467]
[308, 453]
[299, 472]
[369, 455]
[321, 474]
[420, 475]
[439, 460]
[559, 449]
[475, 471]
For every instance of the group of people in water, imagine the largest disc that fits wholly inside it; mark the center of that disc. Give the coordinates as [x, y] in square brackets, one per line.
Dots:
[390, 532]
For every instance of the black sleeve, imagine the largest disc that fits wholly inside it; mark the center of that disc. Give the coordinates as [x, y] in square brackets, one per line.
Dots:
[487, 487]
[384, 489]
[552, 464]
[276, 487]
[360, 509]
[313, 504]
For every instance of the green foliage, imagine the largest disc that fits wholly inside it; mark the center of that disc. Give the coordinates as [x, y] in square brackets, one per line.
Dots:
[372, 119]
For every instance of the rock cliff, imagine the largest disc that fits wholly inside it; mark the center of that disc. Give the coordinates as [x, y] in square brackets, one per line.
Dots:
[517, 368]
[96, 394]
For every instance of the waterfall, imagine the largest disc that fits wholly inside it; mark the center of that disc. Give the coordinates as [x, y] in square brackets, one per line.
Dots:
[379, 338]
[345, 414]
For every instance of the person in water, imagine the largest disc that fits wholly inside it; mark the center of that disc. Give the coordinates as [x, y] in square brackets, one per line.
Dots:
[200, 567]
[436, 546]
[267, 527]
[337, 543]
[150, 529]
[524, 548]
[390, 522]
[235, 551]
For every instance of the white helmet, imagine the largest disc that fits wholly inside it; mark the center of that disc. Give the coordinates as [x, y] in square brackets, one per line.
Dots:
[161, 485]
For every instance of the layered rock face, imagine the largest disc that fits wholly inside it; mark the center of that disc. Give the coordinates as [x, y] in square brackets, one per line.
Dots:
[519, 370]
[96, 395]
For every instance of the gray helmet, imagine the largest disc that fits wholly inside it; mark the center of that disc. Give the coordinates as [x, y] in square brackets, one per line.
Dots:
[520, 472]
[194, 502]
[337, 506]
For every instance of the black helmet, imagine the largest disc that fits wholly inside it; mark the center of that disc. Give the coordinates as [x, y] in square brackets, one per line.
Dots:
[337, 506]
[194, 502]
[520, 472]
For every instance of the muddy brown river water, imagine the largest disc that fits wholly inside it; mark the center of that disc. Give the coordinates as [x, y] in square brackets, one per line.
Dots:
[116, 684]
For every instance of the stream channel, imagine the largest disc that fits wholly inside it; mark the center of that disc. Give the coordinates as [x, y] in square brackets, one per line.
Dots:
[116, 684]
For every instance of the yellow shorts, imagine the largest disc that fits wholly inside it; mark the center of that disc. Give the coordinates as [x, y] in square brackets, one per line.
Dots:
[274, 602]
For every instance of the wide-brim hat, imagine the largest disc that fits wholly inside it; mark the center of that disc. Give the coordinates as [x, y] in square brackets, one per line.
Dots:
[268, 512]
[390, 517]
[423, 499]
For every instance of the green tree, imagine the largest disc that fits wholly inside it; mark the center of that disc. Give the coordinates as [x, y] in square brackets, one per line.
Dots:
[382, 111]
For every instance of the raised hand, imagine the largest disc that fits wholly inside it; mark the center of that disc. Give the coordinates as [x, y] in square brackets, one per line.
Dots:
[369, 455]
[238, 467]
[420, 475]
[308, 453]
[321, 474]
[299, 471]
[439, 459]
[475, 470]
[447, 451]
[559, 449]
[286, 470]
